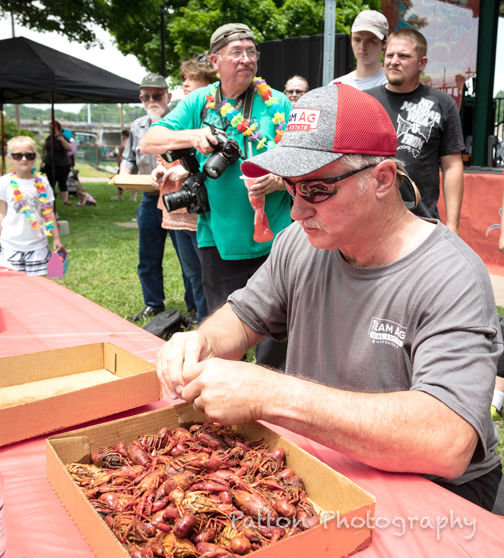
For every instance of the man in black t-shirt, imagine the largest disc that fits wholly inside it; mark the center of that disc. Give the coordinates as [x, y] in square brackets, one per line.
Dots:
[429, 132]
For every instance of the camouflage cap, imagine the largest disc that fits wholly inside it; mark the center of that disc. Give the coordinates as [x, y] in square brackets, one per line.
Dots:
[229, 32]
[154, 80]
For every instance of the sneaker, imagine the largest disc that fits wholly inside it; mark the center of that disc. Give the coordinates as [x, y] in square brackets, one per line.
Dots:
[147, 312]
[68, 202]
[193, 316]
[117, 198]
[496, 414]
[89, 200]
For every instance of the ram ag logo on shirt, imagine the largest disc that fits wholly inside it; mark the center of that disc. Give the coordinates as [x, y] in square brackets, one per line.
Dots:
[386, 331]
[303, 120]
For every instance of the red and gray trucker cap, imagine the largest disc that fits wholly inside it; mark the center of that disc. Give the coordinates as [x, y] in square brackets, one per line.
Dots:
[325, 124]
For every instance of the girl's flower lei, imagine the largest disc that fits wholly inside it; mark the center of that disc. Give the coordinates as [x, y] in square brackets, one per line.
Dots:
[244, 126]
[22, 206]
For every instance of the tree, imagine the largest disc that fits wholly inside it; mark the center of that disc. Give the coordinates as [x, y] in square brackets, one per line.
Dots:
[72, 18]
[136, 26]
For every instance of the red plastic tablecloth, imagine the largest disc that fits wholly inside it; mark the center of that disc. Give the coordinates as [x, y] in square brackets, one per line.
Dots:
[414, 517]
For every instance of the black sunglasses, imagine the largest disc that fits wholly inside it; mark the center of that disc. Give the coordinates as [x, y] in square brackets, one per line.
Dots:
[294, 91]
[154, 97]
[317, 190]
[28, 156]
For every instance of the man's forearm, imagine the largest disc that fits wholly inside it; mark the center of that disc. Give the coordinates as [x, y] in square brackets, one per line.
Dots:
[402, 431]
[227, 335]
[159, 140]
[453, 188]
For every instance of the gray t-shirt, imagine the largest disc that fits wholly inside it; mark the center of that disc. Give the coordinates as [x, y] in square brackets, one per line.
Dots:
[427, 322]
[363, 84]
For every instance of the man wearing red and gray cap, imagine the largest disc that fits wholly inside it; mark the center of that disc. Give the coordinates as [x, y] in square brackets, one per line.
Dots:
[248, 111]
[390, 317]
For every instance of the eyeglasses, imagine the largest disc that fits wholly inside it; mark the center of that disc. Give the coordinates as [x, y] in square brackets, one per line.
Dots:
[154, 97]
[317, 191]
[251, 54]
[295, 92]
[28, 156]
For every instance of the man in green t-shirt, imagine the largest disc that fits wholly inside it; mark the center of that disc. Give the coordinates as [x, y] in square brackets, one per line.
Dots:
[247, 110]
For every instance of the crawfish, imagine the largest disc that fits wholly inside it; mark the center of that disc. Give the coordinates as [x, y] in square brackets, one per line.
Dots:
[109, 502]
[83, 474]
[179, 548]
[127, 526]
[306, 515]
[182, 480]
[137, 454]
[151, 481]
[254, 505]
[108, 458]
[210, 550]
[184, 525]
[160, 441]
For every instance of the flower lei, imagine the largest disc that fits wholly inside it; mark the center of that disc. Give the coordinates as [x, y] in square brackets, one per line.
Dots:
[22, 206]
[244, 126]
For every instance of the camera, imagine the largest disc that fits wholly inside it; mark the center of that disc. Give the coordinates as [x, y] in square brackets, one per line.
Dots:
[226, 152]
[192, 194]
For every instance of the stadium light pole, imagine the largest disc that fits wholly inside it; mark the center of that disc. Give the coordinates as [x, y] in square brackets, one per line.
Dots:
[329, 41]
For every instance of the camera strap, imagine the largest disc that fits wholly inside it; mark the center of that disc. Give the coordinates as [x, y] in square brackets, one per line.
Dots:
[245, 100]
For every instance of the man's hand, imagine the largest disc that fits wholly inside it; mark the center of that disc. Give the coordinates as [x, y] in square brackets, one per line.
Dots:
[182, 351]
[228, 391]
[161, 175]
[266, 184]
[203, 140]
[158, 176]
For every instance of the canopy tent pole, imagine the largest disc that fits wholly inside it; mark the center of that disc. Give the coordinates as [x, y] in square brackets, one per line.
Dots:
[3, 137]
[51, 135]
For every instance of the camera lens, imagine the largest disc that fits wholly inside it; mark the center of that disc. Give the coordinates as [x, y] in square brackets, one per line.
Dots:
[178, 199]
[216, 164]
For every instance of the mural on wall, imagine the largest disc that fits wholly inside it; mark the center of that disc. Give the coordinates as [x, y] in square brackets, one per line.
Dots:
[451, 30]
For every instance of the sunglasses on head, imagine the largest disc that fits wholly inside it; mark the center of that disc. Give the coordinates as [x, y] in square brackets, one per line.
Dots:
[28, 156]
[319, 190]
[154, 97]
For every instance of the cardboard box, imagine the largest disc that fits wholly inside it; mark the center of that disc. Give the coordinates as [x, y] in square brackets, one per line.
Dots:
[133, 182]
[343, 535]
[46, 391]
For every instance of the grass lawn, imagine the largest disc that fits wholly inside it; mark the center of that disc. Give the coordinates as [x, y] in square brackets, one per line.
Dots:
[103, 252]
[103, 255]
[90, 172]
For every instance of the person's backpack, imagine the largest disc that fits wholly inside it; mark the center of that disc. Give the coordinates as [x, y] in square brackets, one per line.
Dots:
[166, 323]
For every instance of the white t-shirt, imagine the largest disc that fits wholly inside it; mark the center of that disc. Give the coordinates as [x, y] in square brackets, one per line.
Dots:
[17, 232]
[362, 83]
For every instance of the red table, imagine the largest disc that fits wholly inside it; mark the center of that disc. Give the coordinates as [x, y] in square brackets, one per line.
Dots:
[414, 517]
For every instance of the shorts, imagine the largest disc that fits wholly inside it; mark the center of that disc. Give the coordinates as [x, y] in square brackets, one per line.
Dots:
[33, 262]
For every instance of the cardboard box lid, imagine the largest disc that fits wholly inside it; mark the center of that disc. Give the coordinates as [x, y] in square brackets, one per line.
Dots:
[133, 182]
[136, 384]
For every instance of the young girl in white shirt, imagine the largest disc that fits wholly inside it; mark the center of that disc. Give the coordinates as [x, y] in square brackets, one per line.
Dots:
[26, 212]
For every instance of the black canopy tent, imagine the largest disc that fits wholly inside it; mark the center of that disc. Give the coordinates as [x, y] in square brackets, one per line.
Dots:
[34, 73]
